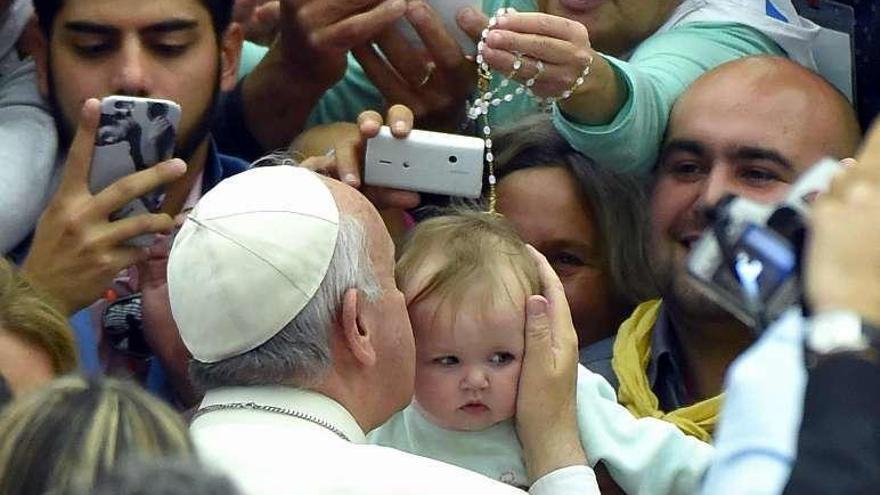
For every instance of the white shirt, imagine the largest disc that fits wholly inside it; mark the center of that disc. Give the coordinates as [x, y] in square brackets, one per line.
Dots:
[646, 456]
[758, 432]
[275, 454]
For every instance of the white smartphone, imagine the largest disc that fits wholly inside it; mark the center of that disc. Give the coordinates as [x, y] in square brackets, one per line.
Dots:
[431, 162]
[447, 9]
[133, 134]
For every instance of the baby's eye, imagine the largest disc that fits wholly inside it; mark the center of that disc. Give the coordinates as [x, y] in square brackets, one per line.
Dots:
[446, 360]
[501, 358]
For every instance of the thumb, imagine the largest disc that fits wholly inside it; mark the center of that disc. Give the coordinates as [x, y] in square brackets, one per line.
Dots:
[472, 22]
[539, 328]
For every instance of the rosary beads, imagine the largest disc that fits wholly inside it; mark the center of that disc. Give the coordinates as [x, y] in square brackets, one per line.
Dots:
[478, 110]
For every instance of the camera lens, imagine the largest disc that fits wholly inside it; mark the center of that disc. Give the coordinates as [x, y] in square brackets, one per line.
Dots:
[453, 159]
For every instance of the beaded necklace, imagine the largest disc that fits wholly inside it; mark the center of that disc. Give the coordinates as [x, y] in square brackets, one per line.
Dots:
[478, 110]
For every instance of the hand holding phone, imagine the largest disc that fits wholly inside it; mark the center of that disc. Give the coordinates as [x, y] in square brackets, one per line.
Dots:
[76, 249]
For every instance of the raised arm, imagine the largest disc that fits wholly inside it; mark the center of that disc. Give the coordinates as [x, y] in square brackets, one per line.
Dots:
[307, 58]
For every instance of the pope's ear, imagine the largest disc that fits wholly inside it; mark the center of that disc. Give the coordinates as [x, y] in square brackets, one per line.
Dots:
[356, 335]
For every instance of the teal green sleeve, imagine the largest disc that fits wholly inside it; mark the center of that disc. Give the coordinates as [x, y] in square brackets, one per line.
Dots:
[660, 69]
[251, 54]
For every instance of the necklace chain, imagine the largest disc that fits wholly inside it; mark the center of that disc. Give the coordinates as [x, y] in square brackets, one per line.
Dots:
[253, 406]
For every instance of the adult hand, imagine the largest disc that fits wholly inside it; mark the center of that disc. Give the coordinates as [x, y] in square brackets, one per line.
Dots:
[561, 45]
[843, 258]
[546, 408]
[434, 82]
[843, 253]
[316, 35]
[307, 58]
[77, 250]
[259, 19]
[347, 160]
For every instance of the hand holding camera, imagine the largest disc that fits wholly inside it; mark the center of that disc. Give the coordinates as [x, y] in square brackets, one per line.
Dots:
[843, 254]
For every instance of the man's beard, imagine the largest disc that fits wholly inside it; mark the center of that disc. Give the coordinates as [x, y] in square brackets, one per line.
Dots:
[682, 293]
[186, 145]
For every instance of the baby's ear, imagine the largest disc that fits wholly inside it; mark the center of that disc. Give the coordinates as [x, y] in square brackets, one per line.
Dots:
[356, 334]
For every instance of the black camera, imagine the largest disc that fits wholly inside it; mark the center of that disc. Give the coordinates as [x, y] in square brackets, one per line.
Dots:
[748, 260]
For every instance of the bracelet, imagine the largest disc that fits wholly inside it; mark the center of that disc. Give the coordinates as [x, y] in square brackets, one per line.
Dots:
[579, 81]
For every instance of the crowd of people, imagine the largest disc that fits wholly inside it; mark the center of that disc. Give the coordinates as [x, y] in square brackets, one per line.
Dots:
[290, 328]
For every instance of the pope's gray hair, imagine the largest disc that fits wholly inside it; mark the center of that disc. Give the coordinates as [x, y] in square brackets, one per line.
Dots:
[299, 354]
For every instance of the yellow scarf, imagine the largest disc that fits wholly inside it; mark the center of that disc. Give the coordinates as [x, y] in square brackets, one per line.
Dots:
[632, 351]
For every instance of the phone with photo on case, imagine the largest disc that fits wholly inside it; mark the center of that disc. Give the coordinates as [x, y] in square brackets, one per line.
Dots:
[133, 134]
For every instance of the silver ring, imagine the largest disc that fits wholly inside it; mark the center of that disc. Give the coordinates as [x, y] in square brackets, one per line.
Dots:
[427, 77]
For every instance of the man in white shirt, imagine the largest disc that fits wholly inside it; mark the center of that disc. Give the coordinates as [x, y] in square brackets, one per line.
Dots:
[282, 286]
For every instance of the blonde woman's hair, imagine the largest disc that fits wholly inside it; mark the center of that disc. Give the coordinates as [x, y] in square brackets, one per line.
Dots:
[467, 248]
[28, 315]
[66, 436]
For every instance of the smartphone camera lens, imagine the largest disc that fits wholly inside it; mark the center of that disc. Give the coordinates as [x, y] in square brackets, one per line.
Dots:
[453, 159]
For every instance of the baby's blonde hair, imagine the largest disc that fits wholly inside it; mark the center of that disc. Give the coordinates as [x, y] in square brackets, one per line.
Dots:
[471, 248]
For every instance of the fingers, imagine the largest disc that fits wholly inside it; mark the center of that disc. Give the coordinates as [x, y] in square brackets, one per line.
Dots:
[542, 24]
[472, 22]
[869, 156]
[120, 231]
[268, 13]
[79, 158]
[324, 165]
[443, 48]
[369, 123]
[359, 28]
[348, 162]
[128, 188]
[400, 120]
[554, 292]
[550, 50]
[409, 63]
[552, 286]
[539, 328]
[386, 80]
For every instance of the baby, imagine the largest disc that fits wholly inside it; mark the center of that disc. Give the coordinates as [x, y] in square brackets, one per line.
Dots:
[466, 277]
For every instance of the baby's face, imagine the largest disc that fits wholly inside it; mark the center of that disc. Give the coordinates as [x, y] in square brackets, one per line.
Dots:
[467, 363]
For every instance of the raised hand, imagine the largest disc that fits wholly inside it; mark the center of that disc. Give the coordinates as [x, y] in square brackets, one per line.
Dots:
[77, 250]
[546, 407]
[434, 81]
[348, 143]
[551, 50]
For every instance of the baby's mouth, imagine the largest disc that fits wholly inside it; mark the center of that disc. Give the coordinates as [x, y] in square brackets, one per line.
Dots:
[474, 407]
